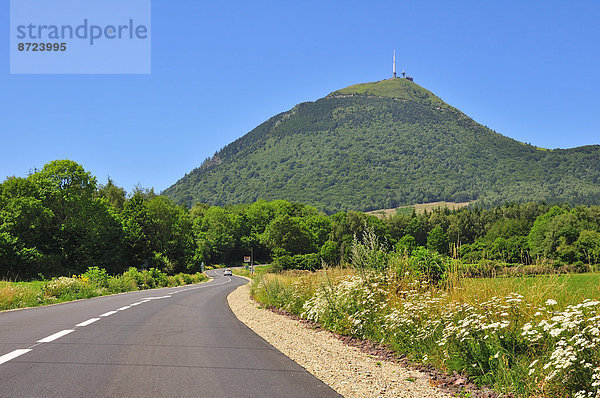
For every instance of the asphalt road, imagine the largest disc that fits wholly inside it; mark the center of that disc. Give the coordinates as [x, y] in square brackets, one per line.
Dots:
[173, 342]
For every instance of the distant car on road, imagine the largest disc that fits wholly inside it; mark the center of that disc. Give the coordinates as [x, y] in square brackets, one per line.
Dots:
[227, 272]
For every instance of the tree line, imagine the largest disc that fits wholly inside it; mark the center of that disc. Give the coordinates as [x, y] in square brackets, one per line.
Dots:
[60, 221]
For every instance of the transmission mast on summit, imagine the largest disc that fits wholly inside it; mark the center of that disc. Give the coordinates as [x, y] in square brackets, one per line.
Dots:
[394, 68]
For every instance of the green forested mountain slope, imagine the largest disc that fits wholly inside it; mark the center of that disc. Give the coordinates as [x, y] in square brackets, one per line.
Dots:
[384, 144]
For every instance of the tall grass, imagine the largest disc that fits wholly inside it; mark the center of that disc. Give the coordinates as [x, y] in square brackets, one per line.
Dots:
[258, 270]
[94, 282]
[527, 336]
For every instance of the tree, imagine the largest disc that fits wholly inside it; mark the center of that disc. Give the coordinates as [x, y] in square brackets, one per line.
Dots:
[437, 240]
[216, 234]
[406, 245]
[158, 233]
[114, 195]
[170, 233]
[288, 235]
[541, 239]
[137, 237]
[417, 227]
[320, 227]
[588, 245]
[83, 231]
[64, 187]
[330, 252]
[507, 228]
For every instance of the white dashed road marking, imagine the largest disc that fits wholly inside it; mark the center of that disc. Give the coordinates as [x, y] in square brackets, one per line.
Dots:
[16, 353]
[55, 336]
[88, 322]
[13, 355]
[109, 313]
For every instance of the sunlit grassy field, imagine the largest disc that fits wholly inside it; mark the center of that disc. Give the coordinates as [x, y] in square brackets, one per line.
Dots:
[566, 289]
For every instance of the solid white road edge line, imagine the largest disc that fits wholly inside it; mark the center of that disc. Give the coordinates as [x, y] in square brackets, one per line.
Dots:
[13, 355]
[124, 308]
[109, 313]
[55, 336]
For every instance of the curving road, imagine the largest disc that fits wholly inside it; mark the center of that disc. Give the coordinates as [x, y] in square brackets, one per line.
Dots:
[173, 342]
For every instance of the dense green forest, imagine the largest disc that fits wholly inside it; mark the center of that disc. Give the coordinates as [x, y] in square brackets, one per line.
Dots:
[298, 236]
[60, 221]
[381, 145]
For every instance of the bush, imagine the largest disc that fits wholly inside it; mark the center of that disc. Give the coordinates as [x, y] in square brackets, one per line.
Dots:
[133, 276]
[96, 276]
[161, 262]
[368, 253]
[310, 261]
[185, 279]
[70, 288]
[429, 265]
[122, 283]
[153, 278]
[406, 245]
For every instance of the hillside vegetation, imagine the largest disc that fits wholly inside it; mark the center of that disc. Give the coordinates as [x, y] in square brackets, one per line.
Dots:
[59, 222]
[382, 145]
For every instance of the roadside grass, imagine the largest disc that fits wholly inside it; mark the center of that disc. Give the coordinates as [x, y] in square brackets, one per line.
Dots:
[20, 294]
[258, 271]
[94, 282]
[526, 336]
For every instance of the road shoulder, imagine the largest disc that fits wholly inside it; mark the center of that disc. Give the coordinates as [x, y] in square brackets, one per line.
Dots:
[346, 369]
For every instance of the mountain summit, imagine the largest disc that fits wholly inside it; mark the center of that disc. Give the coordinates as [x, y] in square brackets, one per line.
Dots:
[381, 145]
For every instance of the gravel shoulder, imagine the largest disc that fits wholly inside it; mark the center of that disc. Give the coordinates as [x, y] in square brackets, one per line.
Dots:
[346, 369]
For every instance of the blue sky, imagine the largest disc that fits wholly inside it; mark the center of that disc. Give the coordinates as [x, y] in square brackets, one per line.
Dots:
[527, 69]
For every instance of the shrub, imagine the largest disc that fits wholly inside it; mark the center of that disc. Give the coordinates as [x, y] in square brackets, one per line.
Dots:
[96, 276]
[429, 265]
[70, 288]
[161, 262]
[310, 261]
[133, 275]
[121, 283]
[368, 253]
[186, 279]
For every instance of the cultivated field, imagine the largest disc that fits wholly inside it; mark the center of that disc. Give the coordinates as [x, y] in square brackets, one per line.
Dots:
[418, 208]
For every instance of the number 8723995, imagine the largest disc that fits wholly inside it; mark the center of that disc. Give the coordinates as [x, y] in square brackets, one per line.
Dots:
[42, 46]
